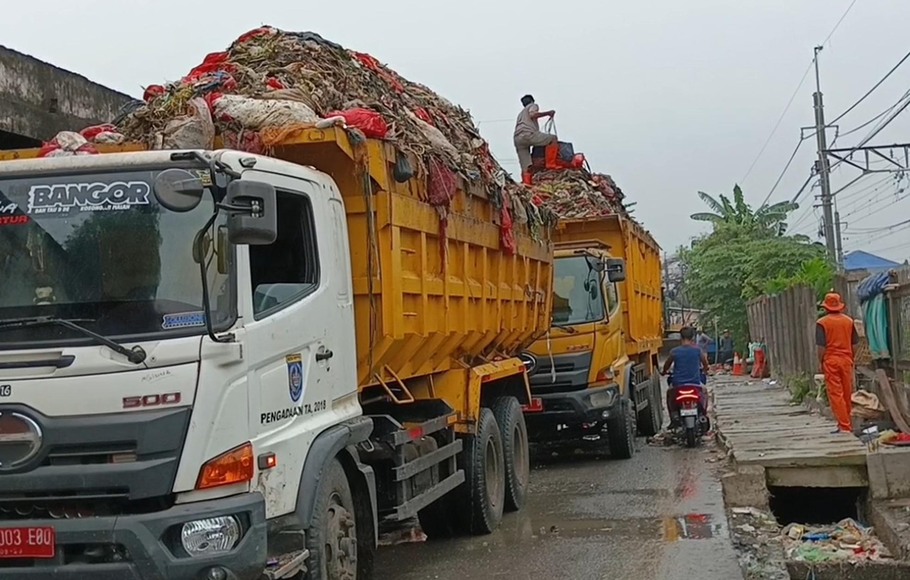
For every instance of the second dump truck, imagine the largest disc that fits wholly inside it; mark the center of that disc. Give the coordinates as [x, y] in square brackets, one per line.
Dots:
[594, 375]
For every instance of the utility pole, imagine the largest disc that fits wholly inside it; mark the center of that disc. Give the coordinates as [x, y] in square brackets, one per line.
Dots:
[831, 240]
[840, 246]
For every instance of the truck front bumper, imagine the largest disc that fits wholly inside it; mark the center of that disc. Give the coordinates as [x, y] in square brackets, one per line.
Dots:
[573, 417]
[146, 546]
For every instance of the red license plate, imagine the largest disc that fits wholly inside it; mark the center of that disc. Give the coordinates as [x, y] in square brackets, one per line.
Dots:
[27, 542]
[536, 406]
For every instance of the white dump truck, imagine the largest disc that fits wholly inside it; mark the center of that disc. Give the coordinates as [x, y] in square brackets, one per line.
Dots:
[218, 365]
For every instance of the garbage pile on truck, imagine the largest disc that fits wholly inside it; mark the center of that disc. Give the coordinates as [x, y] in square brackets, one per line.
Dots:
[271, 83]
[578, 194]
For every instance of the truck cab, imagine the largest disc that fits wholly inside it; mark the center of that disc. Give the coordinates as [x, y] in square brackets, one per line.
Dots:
[594, 382]
[156, 377]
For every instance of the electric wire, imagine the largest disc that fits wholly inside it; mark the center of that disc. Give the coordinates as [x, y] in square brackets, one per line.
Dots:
[870, 91]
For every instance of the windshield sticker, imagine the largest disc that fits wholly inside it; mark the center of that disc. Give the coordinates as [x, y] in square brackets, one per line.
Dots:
[295, 377]
[62, 198]
[13, 220]
[183, 320]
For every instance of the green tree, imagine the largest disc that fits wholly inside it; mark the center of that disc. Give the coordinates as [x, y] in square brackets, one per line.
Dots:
[747, 254]
[767, 218]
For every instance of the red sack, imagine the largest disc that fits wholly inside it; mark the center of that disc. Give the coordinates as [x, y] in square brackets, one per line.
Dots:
[67, 143]
[213, 63]
[369, 122]
[506, 231]
[441, 186]
[90, 133]
[374, 65]
[255, 33]
[274, 84]
[153, 91]
[424, 116]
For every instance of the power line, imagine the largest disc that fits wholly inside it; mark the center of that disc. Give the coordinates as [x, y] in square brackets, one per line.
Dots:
[873, 119]
[897, 200]
[878, 129]
[836, 26]
[793, 96]
[784, 172]
[870, 91]
[873, 187]
[779, 120]
[802, 189]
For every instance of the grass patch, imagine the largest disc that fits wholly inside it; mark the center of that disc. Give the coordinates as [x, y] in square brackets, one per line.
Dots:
[801, 388]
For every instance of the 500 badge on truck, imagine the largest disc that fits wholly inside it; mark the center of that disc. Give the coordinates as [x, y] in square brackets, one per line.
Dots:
[145, 401]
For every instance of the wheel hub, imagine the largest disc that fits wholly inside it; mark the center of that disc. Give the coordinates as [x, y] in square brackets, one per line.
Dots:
[340, 542]
[495, 483]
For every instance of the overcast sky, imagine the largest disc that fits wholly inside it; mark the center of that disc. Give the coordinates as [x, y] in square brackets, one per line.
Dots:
[668, 96]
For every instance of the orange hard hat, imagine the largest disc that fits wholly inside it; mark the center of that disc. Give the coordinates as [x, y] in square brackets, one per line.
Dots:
[833, 302]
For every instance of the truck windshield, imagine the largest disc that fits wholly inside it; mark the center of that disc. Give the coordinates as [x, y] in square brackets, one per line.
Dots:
[99, 249]
[577, 296]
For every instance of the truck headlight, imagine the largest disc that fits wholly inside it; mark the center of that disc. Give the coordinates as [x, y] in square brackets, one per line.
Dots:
[602, 399]
[210, 536]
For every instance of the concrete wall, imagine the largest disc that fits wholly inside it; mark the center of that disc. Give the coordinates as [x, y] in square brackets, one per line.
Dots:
[38, 99]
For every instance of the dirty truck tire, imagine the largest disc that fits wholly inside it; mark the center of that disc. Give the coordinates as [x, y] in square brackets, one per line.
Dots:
[332, 536]
[650, 419]
[516, 454]
[621, 432]
[483, 493]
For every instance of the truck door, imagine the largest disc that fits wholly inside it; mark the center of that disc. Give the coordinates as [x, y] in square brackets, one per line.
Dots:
[300, 343]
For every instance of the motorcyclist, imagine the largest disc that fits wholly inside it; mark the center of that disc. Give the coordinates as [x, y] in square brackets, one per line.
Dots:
[690, 368]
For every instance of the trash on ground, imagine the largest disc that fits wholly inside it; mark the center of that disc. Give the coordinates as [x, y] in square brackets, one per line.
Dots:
[663, 439]
[847, 541]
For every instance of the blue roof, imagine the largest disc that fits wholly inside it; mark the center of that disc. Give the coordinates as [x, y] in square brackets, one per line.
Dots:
[860, 260]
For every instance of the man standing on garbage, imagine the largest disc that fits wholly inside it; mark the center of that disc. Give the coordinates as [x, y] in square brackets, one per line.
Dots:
[528, 133]
[836, 338]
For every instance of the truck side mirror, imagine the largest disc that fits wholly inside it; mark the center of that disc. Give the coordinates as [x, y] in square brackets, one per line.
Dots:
[616, 269]
[257, 226]
[178, 190]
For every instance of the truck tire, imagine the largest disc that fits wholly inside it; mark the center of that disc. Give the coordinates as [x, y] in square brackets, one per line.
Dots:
[515, 452]
[483, 493]
[332, 535]
[621, 431]
[651, 418]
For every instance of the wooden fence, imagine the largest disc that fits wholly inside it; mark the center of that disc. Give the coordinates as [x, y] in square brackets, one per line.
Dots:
[786, 323]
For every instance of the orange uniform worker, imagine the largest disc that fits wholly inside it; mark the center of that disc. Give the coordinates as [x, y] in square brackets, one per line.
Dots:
[836, 338]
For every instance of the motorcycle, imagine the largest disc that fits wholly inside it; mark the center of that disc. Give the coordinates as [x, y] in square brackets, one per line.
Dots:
[693, 421]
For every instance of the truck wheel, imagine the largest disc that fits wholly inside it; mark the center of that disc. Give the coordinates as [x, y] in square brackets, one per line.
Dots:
[621, 432]
[515, 451]
[650, 419]
[483, 494]
[332, 536]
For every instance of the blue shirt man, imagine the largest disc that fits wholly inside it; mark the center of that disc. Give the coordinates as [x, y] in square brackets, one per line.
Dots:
[689, 362]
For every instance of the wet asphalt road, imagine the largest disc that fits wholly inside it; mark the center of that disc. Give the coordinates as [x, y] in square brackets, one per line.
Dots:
[658, 516]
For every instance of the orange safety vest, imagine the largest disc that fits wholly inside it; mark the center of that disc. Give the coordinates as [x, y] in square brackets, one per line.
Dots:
[839, 335]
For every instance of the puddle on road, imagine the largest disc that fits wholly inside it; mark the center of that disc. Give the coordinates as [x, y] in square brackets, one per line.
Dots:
[668, 529]
[691, 527]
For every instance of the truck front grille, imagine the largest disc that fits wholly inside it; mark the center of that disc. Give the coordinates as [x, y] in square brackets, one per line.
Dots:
[561, 373]
[74, 506]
